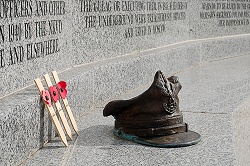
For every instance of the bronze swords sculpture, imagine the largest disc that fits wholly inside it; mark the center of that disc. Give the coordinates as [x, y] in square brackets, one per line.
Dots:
[153, 118]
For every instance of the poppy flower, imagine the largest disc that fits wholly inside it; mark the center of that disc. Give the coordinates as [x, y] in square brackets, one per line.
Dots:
[62, 89]
[54, 93]
[46, 97]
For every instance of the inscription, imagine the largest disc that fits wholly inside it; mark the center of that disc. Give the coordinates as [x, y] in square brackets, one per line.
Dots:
[15, 8]
[139, 18]
[16, 55]
[227, 13]
[40, 49]
[24, 41]
[15, 32]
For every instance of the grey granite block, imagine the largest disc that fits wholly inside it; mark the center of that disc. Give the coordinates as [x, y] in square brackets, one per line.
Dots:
[24, 126]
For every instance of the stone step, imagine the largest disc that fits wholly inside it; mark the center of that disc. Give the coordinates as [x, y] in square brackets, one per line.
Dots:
[215, 103]
[25, 125]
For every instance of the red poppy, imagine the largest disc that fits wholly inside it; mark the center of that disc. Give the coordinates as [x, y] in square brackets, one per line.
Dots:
[62, 89]
[54, 93]
[46, 97]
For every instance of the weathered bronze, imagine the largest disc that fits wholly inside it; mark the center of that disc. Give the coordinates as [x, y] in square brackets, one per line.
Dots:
[153, 118]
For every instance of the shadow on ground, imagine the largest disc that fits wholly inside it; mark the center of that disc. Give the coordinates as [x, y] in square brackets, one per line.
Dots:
[100, 135]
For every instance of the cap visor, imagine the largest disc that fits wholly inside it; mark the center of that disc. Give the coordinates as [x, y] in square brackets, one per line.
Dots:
[170, 141]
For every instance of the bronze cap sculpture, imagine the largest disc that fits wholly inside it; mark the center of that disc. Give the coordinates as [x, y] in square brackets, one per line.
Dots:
[153, 118]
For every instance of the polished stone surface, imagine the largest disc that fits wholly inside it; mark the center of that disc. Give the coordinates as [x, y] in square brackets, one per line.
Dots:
[219, 123]
[86, 38]
[96, 145]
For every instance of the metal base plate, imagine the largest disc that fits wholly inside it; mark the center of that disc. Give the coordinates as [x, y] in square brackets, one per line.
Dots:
[171, 141]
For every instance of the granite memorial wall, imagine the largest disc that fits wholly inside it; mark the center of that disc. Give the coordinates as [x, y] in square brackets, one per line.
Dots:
[105, 48]
[38, 36]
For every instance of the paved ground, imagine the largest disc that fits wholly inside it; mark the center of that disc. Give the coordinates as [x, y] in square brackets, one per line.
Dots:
[215, 100]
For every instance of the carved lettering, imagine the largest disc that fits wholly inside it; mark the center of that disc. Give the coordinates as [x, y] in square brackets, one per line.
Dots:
[90, 21]
[140, 31]
[159, 17]
[40, 28]
[2, 63]
[179, 15]
[113, 20]
[15, 32]
[29, 52]
[134, 15]
[233, 22]
[16, 55]
[15, 8]
[140, 18]
[55, 26]
[41, 49]
[2, 38]
[128, 32]
[29, 32]
[95, 5]
[133, 5]
[159, 29]
[227, 13]
[117, 6]
[151, 6]
[56, 7]
[41, 8]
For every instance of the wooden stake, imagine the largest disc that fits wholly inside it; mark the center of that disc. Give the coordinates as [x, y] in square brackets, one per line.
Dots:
[66, 104]
[59, 109]
[52, 114]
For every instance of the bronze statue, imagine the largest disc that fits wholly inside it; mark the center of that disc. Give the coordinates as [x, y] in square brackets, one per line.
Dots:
[153, 118]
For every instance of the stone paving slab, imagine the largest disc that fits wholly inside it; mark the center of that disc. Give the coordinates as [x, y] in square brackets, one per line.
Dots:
[96, 144]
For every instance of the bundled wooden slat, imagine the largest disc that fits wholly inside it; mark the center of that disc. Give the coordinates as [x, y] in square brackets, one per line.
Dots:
[59, 109]
[52, 113]
[66, 104]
